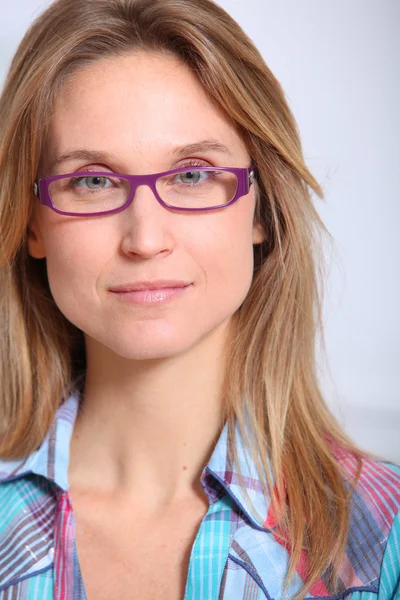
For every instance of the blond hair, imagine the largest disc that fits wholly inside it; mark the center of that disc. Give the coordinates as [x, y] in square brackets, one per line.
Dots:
[271, 379]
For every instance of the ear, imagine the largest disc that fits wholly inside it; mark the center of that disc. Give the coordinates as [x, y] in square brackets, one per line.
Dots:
[258, 234]
[36, 247]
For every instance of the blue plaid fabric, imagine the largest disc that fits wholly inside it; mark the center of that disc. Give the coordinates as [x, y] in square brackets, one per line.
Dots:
[235, 556]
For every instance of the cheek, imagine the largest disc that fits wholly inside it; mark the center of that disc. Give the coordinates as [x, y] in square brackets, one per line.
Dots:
[226, 257]
[234, 271]
[74, 260]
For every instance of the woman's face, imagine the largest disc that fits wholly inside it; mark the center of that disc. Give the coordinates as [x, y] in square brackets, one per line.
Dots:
[138, 110]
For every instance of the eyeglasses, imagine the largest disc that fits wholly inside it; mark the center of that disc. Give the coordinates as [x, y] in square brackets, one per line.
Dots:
[90, 193]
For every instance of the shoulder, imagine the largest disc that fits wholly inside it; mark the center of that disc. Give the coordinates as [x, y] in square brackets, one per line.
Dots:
[27, 510]
[370, 566]
[372, 558]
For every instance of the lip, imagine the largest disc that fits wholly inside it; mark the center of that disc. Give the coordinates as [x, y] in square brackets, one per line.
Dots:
[157, 284]
[150, 293]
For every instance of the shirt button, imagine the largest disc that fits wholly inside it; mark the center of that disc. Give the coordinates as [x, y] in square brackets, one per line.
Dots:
[50, 554]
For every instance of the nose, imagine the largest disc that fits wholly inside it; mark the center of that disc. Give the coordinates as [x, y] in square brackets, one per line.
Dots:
[146, 225]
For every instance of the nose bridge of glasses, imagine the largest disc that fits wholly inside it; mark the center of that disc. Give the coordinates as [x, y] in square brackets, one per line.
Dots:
[137, 181]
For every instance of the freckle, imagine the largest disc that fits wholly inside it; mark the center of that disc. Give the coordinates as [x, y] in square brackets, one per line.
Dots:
[184, 467]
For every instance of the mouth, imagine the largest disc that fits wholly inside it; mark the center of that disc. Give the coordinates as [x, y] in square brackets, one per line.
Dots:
[150, 293]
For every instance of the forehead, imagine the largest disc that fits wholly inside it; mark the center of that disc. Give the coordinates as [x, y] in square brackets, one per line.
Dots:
[141, 103]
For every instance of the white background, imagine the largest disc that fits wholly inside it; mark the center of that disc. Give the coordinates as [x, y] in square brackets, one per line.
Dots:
[339, 64]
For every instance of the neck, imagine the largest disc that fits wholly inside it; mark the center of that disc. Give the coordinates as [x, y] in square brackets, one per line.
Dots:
[148, 428]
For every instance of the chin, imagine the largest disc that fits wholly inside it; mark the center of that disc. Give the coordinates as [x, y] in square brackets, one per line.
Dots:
[150, 345]
[151, 351]
[155, 338]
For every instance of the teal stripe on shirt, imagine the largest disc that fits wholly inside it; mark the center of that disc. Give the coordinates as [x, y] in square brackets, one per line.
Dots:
[389, 587]
[210, 551]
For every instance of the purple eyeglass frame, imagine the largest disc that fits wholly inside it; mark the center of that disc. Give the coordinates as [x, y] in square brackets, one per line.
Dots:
[245, 177]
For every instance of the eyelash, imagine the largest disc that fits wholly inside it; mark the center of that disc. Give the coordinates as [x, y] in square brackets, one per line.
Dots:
[194, 163]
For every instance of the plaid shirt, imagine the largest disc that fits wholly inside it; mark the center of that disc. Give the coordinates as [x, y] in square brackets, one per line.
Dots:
[235, 556]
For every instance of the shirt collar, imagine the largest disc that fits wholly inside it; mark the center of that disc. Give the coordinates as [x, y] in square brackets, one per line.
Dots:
[257, 505]
[51, 460]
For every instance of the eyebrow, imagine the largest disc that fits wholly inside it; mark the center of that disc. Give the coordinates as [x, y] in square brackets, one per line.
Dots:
[177, 152]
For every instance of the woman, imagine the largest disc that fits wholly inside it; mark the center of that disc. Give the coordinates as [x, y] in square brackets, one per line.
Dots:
[163, 433]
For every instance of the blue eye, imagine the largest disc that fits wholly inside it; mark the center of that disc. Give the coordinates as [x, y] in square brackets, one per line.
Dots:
[94, 182]
[193, 177]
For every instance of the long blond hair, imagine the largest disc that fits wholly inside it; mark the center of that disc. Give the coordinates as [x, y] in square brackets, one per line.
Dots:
[271, 378]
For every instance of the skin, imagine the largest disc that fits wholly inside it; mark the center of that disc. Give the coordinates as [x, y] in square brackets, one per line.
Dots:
[152, 400]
